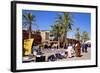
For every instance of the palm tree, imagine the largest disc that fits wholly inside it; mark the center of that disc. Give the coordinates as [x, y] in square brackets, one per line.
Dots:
[65, 21]
[77, 35]
[85, 36]
[56, 31]
[29, 19]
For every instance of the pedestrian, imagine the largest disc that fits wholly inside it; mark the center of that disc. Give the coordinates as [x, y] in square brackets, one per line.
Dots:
[70, 51]
[34, 49]
[86, 46]
[78, 49]
[83, 47]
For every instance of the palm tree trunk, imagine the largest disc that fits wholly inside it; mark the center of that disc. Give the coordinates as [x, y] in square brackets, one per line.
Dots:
[58, 43]
[65, 39]
[30, 31]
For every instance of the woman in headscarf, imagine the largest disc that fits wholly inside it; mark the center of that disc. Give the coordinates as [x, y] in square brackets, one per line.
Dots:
[78, 49]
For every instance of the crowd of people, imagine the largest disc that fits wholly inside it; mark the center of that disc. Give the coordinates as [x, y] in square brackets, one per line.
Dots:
[71, 50]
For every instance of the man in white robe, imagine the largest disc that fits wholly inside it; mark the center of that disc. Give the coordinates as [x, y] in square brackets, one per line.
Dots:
[70, 51]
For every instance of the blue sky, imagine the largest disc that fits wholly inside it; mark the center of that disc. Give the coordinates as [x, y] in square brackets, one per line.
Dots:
[44, 19]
